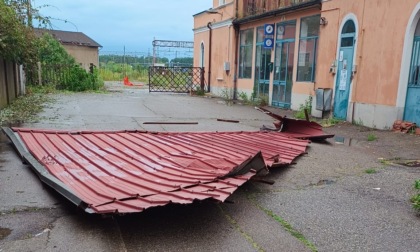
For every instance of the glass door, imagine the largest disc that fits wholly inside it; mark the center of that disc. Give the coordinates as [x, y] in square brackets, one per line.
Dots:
[262, 66]
[284, 63]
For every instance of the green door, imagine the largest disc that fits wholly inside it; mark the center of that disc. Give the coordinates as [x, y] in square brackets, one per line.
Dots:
[283, 64]
[412, 103]
[344, 70]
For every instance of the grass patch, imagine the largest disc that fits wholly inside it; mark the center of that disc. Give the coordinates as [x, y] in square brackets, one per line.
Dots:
[25, 108]
[416, 198]
[371, 137]
[371, 171]
[329, 122]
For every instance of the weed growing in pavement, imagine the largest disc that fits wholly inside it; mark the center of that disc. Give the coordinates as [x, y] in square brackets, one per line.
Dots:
[244, 97]
[227, 95]
[371, 171]
[300, 114]
[416, 198]
[358, 122]
[331, 121]
[371, 137]
[200, 92]
[284, 224]
[247, 236]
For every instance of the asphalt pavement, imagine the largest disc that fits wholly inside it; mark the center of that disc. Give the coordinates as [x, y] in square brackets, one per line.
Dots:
[341, 196]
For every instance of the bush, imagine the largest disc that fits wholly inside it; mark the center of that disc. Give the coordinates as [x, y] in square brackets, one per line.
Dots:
[60, 69]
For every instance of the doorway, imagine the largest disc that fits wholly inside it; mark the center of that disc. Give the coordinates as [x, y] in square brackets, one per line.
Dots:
[344, 70]
[262, 66]
[412, 103]
[283, 69]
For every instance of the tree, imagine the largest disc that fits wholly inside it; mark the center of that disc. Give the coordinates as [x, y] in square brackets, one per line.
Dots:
[17, 41]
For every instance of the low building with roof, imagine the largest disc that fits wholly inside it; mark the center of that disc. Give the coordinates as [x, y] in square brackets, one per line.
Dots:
[83, 48]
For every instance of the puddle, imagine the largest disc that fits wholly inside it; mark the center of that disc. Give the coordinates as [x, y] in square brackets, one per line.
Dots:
[345, 141]
[4, 232]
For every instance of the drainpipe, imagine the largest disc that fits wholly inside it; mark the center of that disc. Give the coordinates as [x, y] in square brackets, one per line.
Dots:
[235, 60]
[235, 73]
[209, 71]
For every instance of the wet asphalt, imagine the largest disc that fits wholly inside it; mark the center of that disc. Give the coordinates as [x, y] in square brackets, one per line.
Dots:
[325, 202]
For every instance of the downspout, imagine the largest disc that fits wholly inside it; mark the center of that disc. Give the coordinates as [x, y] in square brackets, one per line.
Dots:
[209, 71]
[236, 41]
[235, 74]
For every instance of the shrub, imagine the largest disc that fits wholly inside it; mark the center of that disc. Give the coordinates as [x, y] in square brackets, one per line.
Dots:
[416, 198]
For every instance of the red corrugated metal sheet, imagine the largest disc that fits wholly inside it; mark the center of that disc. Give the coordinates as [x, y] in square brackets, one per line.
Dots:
[129, 171]
[297, 128]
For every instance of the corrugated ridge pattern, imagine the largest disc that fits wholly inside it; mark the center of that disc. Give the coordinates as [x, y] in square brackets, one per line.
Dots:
[129, 171]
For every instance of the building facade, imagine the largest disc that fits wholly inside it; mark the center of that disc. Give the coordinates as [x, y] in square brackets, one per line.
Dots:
[84, 49]
[364, 54]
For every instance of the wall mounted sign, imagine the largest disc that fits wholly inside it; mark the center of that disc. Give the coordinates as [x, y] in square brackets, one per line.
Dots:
[268, 43]
[269, 29]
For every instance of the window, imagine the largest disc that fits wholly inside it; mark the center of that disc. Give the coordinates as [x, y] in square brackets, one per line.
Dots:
[202, 55]
[245, 53]
[347, 34]
[309, 31]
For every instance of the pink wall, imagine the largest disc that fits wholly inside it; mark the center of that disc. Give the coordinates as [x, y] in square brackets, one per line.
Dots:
[381, 26]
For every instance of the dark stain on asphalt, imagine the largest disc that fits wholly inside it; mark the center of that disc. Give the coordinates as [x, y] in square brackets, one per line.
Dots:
[4, 232]
[410, 163]
[325, 182]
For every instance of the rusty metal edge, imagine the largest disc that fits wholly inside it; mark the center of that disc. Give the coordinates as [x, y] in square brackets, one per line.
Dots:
[42, 172]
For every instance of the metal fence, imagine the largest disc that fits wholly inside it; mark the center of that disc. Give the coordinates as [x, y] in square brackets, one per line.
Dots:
[64, 76]
[176, 79]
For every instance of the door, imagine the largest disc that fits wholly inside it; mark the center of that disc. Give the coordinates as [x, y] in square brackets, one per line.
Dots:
[283, 69]
[344, 70]
[262, 71]
[412, 103]
[262, 66]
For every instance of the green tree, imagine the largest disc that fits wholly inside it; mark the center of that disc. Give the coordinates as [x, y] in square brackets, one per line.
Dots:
[50, 51]
[17, 41]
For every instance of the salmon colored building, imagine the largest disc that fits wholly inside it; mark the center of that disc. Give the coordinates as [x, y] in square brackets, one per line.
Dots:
[356, 60]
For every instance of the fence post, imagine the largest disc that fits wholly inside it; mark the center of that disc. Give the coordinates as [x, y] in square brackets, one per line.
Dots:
[92, 79]
[39, 73]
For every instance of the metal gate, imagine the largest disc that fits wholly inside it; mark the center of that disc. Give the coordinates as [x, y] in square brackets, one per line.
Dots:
[176, 79]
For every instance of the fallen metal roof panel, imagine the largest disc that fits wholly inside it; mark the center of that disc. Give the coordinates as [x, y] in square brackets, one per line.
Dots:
[296, 128]
[130, 171]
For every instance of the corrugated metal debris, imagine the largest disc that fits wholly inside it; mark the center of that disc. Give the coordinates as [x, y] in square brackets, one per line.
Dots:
[300, 129]
[130, 171]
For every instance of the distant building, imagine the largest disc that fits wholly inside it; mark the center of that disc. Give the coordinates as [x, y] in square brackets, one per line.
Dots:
[365, 53]
[84, 49]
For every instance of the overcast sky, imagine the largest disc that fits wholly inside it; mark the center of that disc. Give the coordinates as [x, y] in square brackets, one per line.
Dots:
[130, 23]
